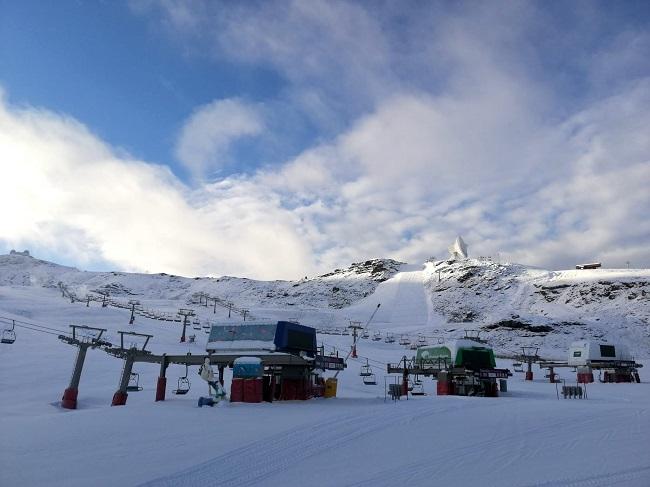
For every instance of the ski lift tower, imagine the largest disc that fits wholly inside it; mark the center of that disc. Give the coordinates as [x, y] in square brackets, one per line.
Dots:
[84, 337]
[133, 303]
[185, 313]
[129, 355]
[104, 294]
[529, 355]
[355, 326]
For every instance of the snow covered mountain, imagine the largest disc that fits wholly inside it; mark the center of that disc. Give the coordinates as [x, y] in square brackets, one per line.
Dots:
[511, 304]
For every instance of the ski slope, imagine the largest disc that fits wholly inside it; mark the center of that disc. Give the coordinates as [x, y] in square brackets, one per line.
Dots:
[526, 437]
[406, 305]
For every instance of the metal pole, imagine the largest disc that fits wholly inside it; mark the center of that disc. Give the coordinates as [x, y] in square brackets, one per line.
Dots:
[161, 385]
[119, 398]
[78, 366]
[69, 400]
[184, 325]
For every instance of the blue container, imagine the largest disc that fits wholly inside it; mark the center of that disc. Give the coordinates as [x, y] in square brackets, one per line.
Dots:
[295, 338]
[247, 368]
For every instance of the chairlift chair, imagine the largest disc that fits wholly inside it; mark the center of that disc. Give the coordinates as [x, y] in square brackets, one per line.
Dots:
[365, 334]
[422, 341]
[366, 370]
[518, 366]
[183, 384]
[413, 346]
[404, 340]
[134, 382]
[376, 337]
[418, 388]
[370, 380]
[9, 335]
[389, 338]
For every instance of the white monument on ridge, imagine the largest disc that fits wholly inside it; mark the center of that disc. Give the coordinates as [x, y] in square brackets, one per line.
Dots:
[458, 249]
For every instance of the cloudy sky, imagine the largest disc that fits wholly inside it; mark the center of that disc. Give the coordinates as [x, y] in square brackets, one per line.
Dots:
[283, 139]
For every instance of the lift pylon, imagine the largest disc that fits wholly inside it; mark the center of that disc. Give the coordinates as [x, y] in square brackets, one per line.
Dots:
[69, 400]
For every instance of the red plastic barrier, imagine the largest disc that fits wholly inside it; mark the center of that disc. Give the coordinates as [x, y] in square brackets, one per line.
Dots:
[585, 377]
[442, 388]
[237, 390]
[253, 390]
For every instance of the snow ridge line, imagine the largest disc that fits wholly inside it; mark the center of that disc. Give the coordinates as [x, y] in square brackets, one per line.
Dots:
[258, 461]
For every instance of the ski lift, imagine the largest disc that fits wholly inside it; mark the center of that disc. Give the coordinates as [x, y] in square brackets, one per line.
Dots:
[370, 380]
[365, 334]
[422, 341]
[376, 337]
[183, 384]
[196, 324]
[404, 340]
[8, 334]
[518, 366]
[134, 382]
[418, 388]
[389, 338]
[366, 370]
[192, 338]
[413, 346]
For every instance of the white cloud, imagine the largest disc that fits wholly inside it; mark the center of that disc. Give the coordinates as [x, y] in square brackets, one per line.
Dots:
[455, 128]
[65, 190]
[207, 135]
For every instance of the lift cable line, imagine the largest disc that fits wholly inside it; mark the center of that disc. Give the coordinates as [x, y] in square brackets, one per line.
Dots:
[33, 326]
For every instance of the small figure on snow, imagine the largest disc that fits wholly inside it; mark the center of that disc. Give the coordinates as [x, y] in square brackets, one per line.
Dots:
[215, 389]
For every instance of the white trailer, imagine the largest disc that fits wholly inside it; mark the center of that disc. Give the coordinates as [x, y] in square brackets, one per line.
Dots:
[585, 353]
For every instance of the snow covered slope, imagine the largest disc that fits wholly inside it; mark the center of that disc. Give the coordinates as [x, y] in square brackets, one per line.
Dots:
[511, 304]
[525, 437]
[515, 304]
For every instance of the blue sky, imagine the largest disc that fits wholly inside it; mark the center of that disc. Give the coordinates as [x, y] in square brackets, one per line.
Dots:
[105, 66]
[321, 133]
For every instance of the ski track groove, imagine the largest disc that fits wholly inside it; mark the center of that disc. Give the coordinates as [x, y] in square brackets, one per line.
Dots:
[424, 470]
[642, 474]
[261, 459]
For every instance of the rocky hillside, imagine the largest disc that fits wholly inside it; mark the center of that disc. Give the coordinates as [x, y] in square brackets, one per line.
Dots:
[336, 289]
[513, 302]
